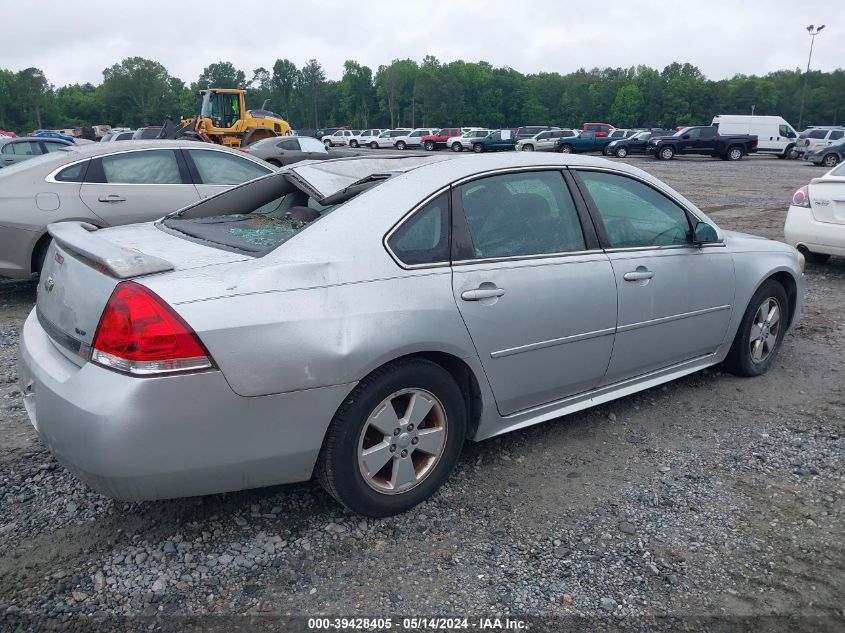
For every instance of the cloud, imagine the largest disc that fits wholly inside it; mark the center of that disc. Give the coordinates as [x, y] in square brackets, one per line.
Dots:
[721, 37]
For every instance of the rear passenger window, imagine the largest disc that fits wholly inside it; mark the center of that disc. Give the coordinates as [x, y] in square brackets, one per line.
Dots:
[634, 214]
[151, 167]
[521, 214]
[424, 238]
[74, 173]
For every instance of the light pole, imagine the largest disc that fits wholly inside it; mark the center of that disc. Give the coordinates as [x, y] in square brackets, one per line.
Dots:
[813, 31]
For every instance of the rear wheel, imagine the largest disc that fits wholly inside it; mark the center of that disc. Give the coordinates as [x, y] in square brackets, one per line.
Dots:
[734, 153]
[373, 145]
[478, 148]
[621, 152]
[760, 333]
[666, 153]
[830, 160]
[353, 143]
[528, 147]
[400, 145]
[394, 440]
[566, 149]
[429, 146]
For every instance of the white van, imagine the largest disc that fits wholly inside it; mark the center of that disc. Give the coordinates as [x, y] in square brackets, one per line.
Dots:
[774, 134]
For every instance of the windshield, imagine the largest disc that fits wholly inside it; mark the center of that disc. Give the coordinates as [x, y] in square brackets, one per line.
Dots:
[681, 132]
[32, 162]
[205, 107]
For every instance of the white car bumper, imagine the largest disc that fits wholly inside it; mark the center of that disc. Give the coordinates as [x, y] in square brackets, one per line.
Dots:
[802, 229]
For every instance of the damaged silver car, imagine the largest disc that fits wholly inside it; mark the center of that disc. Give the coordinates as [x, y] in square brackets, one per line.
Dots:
[360, 319]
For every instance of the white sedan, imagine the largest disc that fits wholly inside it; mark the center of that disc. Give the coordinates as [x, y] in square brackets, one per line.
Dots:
[815, 224]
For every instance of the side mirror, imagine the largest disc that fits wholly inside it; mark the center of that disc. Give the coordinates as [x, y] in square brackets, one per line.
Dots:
[705, 234]
[685, 136]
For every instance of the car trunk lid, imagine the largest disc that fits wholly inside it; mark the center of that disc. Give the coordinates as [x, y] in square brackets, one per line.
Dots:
[827, 200]
[83, 265]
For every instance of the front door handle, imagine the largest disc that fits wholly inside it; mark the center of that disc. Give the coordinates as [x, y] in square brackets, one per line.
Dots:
[638, 275]
[482, 293]
[112, 197]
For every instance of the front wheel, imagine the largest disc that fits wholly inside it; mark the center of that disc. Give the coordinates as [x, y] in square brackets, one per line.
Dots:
[761, 332]
[830, 160]
[566, 149]
[457, 147]
[478, 148]
[400, 145]
[353, 143]
[528, 147]
[666, 153]
[373, 145]
[394, 440]
[328, 144]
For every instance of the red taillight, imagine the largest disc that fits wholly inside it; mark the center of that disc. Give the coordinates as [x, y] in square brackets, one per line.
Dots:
[245, 150]
[140, 334]
[801, 198]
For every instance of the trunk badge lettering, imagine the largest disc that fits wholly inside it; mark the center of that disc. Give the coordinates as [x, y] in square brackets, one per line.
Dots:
[49, 284]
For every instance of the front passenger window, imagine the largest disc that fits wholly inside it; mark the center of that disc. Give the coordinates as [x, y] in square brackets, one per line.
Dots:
[219, 168]
[634, 214]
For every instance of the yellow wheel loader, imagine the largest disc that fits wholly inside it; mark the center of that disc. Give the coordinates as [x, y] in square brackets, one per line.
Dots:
[224, 119]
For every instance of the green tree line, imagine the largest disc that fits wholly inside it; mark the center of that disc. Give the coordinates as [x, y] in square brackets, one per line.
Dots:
[140, 91]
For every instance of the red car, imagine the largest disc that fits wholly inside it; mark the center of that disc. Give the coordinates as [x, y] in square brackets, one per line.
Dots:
[602, 129]
[436, 141]
[9, 134]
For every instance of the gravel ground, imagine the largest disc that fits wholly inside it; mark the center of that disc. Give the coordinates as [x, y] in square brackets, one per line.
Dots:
[710, 497]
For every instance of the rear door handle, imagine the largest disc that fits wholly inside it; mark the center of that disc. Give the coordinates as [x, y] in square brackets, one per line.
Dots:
[481, 293]
[112, 197]
[638, 275]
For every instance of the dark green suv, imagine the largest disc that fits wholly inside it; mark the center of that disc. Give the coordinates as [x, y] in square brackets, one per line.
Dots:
[495, 141]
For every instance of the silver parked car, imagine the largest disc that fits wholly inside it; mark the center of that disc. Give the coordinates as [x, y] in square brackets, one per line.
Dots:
[361, 318]
[286, 150]
[106, 184]
[18, 149]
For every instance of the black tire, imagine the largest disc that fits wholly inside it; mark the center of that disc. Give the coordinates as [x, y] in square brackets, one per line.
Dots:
[478, 148]
[373, 145]
[739, 360]
[621, 152]
[337, 466]
[400, 145]
[665, 153]
[430, 146]
[815, 258]
[830, 160]
[528, 147]
[328, 143]
[353, 143]
[734, 153]
[39, 254]
[565, 149]
[793, 155]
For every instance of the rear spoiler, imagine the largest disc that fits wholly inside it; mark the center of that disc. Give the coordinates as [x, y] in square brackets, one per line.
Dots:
[120, 262]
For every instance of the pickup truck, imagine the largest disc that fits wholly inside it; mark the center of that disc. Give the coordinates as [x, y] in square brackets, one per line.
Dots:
[704, 140]
[498, 140]
[587, 141]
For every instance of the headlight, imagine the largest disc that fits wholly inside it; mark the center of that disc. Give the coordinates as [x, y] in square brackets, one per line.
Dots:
[612, 143]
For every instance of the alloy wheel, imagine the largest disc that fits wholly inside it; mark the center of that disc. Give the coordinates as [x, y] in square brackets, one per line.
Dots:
[402, 441]
[764, 330]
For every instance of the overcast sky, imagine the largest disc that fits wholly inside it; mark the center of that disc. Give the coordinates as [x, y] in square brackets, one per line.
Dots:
[74, 42]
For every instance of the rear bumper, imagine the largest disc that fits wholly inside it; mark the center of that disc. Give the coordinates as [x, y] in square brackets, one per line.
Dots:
[177, 436]
[802, 229]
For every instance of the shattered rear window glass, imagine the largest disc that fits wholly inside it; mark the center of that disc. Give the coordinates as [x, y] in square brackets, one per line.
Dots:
[257, 232]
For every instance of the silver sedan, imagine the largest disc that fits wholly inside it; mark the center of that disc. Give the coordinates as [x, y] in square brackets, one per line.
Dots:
[359, 319]
[107, 184]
